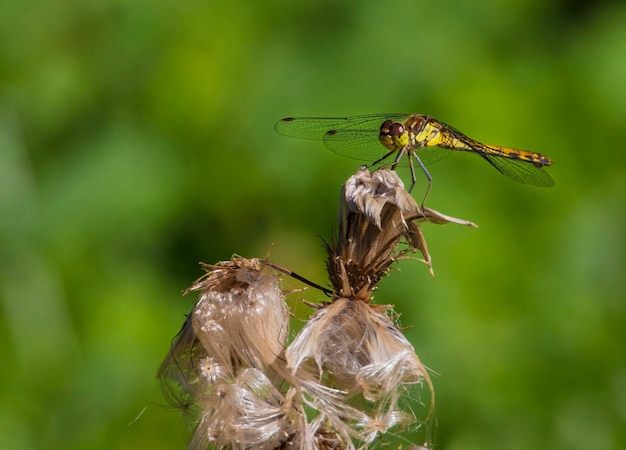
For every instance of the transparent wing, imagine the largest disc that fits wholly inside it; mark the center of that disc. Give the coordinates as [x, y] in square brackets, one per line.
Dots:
[365, 146]
[357, 144]
[521, 171]
[429, 155]
[315, 128]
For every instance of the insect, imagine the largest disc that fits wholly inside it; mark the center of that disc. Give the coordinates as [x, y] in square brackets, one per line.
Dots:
[422, 139]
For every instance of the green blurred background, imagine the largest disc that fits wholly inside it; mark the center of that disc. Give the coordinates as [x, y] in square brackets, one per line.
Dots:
[136, 139]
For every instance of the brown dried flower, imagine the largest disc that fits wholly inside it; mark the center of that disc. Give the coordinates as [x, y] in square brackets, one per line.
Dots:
[343, 380]
[228, 354]
[351, 345]
[375, 214]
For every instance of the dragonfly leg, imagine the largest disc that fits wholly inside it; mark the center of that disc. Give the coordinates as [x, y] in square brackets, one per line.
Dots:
[399, 156]
[413, 177]
[387, 155]
[397, 159]
[430, 179]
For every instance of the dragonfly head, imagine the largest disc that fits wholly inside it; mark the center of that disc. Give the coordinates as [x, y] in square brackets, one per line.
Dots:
[393, 135]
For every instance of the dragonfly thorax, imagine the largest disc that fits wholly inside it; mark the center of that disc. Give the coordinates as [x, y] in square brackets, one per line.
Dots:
[393, 135]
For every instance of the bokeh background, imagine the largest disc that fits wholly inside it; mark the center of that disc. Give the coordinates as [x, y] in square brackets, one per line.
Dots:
[136, 139]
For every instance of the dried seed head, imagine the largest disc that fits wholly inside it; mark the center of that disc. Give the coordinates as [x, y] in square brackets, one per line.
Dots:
[359, 349]
[236, 331]
[349, 350]
[375, 214]
[241, 319]
[251, 413]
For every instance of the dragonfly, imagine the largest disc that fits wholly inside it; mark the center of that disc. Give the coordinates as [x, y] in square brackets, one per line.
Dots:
[422, 139]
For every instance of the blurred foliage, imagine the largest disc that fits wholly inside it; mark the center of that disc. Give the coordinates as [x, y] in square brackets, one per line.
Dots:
[137, 139]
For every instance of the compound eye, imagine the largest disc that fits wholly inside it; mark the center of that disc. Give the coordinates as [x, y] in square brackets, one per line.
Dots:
[396, 129]
[384, 128]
